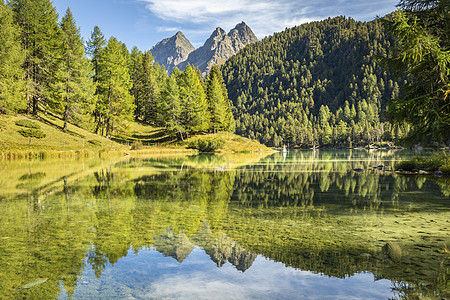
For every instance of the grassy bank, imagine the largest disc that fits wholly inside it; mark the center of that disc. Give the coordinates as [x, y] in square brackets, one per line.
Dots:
[22, 136]
[225, 142]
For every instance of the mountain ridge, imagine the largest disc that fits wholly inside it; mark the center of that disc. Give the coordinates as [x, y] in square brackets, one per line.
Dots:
[177, 51]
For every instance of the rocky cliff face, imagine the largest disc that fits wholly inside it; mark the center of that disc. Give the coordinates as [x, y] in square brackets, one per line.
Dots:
[219, 47]
[172, 51]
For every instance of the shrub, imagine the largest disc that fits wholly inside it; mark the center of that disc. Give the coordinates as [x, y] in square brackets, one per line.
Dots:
[407, 165]
[137, 145]
[27, 123]
[439, 161]
[205, 145]
[31, 132]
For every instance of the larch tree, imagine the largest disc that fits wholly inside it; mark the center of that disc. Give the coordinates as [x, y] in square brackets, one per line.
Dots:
[94, 47]
[74, 87]
[11, 59]
[194, 107]
[218, 103]
[145, 89]
[115, 102]
[41, 38]
[422, 28]
[169, 105]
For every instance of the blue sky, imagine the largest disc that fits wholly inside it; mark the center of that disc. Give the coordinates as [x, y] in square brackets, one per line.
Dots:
[143, 23]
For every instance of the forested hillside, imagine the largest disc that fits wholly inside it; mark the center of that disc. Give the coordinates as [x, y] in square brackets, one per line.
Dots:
[320, 83]
[46, 67]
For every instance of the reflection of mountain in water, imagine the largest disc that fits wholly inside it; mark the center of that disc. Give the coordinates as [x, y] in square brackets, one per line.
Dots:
[176, 246]
[220, 248]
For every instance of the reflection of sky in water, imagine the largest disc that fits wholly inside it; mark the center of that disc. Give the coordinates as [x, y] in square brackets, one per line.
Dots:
[149, 275]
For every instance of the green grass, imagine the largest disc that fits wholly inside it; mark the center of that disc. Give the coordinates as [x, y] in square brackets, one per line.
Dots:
[75, 138]
[225, 142]
[23, 136]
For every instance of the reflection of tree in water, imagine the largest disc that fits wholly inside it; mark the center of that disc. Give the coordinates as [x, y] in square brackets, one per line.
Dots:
[306, 181]
[106, 214]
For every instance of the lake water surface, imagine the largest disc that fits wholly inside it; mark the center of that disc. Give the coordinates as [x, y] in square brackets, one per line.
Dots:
[297, 225]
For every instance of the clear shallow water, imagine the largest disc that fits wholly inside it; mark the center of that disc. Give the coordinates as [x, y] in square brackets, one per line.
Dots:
[301, 225]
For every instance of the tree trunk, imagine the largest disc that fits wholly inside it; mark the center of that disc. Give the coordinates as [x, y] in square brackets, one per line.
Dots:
[66, 117]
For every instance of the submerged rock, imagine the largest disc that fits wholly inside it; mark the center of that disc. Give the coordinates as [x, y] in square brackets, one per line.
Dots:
[31, 284]
[438, 173]
[393, 251]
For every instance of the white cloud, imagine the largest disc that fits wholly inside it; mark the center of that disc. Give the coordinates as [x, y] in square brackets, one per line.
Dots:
[264, 16]
[167, 29]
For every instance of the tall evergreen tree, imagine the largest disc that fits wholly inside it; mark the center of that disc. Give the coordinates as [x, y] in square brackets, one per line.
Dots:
[145, 89]
[170, 104]
[115, 102]
[94, 46]
[194, 108]
[11, 59]
[40, 37]
[74, 87]
[135, 57]
[218, 103]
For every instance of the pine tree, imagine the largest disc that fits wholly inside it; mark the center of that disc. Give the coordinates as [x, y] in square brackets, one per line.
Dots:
[115, 102]
[74, 88]
[11, 59]
[40, 37]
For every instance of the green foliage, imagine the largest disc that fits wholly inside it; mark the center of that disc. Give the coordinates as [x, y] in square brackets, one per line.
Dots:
[439, 161]
[315, 84]
[11, 59]
[219, 105]
[205, 144]
[145, 88]
[422, 54]
[115, 103]
[194, 115]
[41, 38]
[73, 87]
[32, 133]
[27, 123]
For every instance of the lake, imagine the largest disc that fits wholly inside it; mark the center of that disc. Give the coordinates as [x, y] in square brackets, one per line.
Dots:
[296, 225]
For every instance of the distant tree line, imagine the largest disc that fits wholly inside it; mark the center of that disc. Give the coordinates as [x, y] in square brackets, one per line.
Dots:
[45, 66]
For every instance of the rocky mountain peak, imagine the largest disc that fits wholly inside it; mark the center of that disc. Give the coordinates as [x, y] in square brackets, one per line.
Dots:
[217, 49]
[172, 51]
[241, 35]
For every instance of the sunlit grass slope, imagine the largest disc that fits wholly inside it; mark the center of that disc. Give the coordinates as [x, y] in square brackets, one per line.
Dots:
[47, 139]
[74, 138]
